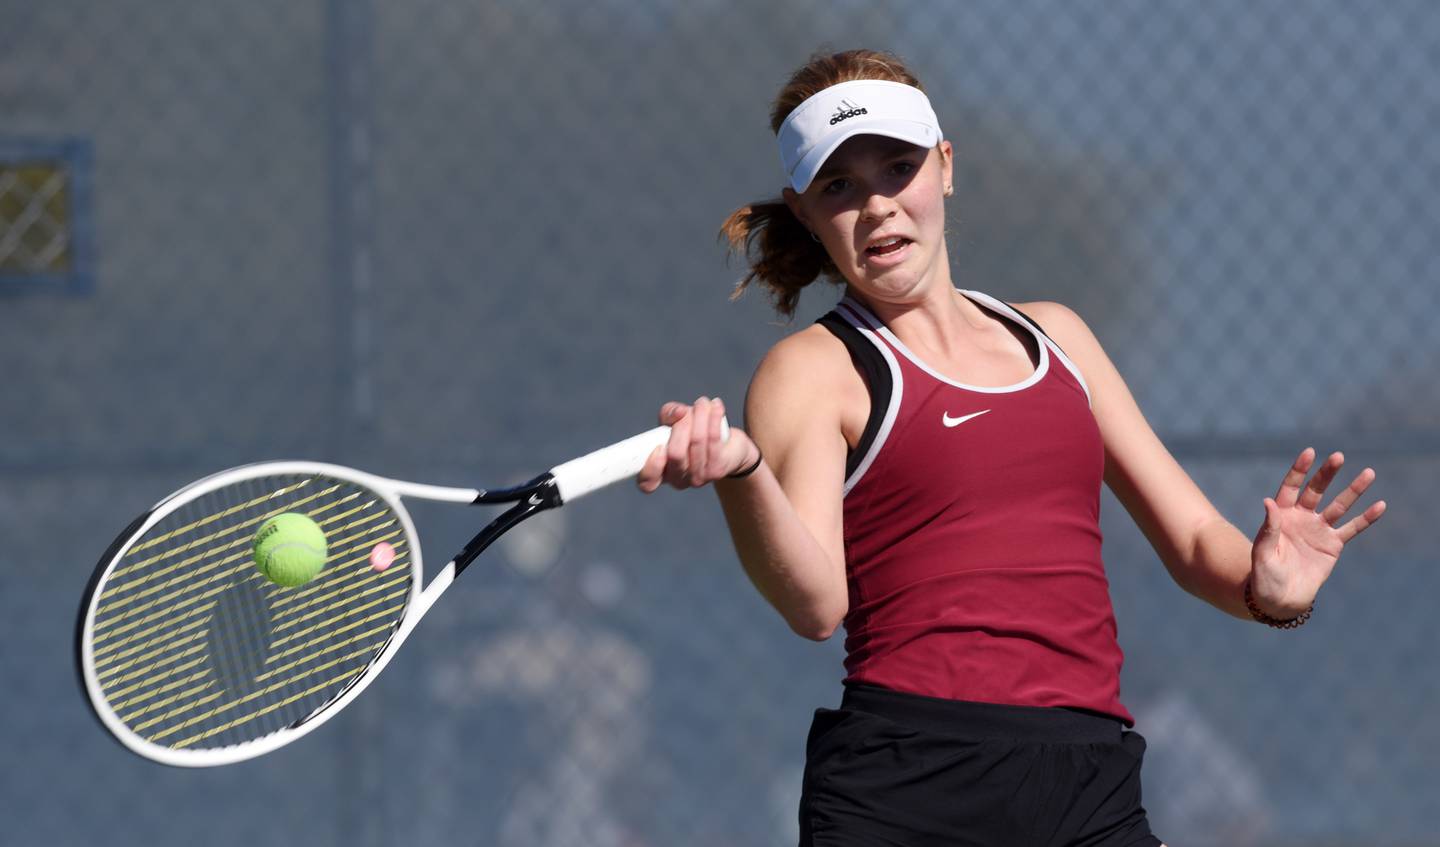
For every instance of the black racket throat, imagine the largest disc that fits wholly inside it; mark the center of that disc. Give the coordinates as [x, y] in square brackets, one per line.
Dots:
[541, 489]
[537, 495]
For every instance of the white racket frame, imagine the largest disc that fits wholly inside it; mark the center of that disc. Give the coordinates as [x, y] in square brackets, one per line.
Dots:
[573, 479]
[416, 604]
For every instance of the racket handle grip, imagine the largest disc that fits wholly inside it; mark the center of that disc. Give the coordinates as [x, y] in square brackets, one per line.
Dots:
[609, 465]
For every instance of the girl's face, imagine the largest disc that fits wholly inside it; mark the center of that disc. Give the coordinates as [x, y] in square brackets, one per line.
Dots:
[878, 207]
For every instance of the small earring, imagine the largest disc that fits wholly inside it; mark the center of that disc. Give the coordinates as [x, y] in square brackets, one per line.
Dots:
[949, 191]
[814, 239]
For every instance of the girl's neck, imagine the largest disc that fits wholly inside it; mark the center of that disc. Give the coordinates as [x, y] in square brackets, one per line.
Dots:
[932, 321]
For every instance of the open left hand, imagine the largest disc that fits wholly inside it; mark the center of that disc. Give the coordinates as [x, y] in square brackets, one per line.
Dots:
[1298, 545]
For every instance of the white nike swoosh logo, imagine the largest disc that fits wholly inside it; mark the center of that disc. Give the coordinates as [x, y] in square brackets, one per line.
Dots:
[949, 421]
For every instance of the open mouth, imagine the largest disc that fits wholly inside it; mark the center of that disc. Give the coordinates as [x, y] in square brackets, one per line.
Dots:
[886, 247]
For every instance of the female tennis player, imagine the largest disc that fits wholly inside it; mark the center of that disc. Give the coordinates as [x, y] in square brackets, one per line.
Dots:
[930, 478]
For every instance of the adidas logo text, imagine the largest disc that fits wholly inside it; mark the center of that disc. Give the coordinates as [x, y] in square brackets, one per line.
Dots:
[845, 111]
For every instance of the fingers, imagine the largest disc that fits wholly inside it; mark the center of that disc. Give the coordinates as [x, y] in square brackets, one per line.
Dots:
[716, 441]
[1345, 499]
[702, 415]
[1294, 491]
[677, 451]
[1289, 491]
[1362, 522]
[1312, 494]
[672, 412]
[651, 474]
[693, 456]
[707, 459]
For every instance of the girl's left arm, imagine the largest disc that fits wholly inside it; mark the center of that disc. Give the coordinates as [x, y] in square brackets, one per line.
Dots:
[1297, 544]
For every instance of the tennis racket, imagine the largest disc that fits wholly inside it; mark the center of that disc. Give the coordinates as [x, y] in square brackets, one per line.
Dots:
[190, 657]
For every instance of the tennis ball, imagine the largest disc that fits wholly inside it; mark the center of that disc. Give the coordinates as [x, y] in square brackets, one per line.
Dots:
[382, 557]
[289, 549]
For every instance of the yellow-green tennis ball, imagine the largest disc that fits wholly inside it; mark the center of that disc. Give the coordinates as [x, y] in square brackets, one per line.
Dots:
[290, 549]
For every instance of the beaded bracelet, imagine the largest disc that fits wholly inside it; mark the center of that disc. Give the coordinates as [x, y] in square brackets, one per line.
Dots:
[1277, 623]
[741, 474]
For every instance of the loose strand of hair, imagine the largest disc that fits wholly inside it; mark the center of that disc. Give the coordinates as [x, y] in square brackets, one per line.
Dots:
[783, 257]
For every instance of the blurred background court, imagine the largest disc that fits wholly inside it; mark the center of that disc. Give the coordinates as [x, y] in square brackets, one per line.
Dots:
[456, 241]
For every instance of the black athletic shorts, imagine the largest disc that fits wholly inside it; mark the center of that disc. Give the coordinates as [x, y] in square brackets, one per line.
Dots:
[889, 768]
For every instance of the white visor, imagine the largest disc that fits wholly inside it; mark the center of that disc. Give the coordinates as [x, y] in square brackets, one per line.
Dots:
[860, 107]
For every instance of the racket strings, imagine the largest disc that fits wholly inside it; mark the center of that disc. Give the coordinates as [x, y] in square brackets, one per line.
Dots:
[238, 562]
[208, 519]
[183, 572]
[194, 648]
[334, 594]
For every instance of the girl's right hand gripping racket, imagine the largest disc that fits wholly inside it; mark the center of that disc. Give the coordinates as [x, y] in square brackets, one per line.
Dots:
[191, 657]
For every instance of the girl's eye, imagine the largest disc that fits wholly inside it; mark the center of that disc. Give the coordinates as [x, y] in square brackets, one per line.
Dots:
[904, 168]
[835, 186]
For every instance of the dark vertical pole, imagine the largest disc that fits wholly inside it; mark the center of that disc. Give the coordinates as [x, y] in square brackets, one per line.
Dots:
[350, 64]
[351, 60]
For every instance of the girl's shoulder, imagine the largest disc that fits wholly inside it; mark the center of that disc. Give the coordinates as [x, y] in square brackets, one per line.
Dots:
[1057, 320]
[808, 354]
[807, 390]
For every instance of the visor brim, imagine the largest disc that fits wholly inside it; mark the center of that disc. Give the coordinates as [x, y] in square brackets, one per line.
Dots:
[912, 132]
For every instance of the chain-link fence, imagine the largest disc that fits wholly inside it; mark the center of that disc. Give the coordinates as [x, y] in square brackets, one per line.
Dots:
[455, 241]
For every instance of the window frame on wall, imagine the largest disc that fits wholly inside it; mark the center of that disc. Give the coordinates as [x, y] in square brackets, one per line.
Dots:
[63, 167]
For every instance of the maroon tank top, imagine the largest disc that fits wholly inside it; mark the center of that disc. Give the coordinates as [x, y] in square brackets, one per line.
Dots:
[972, 530]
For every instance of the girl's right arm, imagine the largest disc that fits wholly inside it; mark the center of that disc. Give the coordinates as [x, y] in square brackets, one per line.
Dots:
[785, 517]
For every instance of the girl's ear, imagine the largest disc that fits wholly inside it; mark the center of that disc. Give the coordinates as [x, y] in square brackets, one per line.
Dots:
[947, 166]
[792, 202]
